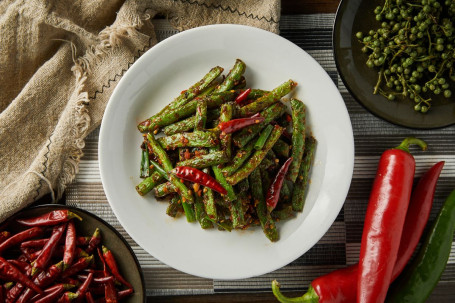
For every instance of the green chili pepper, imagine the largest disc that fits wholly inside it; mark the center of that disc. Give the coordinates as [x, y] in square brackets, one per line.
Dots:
[419, 278]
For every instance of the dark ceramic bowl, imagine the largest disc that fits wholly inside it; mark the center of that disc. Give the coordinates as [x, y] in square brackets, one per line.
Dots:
[357, 15]
[111, 238]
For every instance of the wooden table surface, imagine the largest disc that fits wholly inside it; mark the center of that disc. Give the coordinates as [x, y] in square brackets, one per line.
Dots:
[288, 7]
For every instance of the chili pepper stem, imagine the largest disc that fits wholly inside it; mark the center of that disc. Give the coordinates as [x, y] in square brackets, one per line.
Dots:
[309, 297]
[404, 146]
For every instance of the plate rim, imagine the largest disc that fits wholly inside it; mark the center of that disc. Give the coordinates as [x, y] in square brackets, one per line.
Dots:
[350, 165]
[347, 84]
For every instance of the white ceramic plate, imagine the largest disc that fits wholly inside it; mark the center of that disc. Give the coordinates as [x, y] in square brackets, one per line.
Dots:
[156, 79]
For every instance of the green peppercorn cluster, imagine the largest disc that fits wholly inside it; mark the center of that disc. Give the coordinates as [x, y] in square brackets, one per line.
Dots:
[413, 50]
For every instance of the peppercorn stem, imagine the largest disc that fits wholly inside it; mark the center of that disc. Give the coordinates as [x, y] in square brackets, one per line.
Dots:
[404, 146]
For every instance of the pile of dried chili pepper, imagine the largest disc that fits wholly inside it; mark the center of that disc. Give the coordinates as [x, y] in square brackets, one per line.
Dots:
[48, 261]
[391, 233]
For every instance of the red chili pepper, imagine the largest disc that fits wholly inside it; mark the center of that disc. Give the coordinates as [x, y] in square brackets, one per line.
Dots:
[70, 245]
[340, 286]
[82, 241]
[384, 220]
[38, 243]
[237, 124]
[21, 237]
[67, 297]
[52, 296]
[51, 289]
[2, 293]
[21, 265]
[44, 257]
[242, 97]
[110, 293]
[112, 264]
[51, 218]
[79, 265]
[9, 272]
[195, 175]
[89, 298]
[99, 280]
[273, 194]
[4, 235]
[84, 286]
[95, 240]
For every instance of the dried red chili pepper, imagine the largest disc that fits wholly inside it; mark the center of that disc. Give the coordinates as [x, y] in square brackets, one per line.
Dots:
[237, 124]
[340, 286]
[242, 97]
[95, 240]
[79, 265]
[195, 175]
[44, 257]
[84, 286]
[110, 293]
[4, 235]
[21, 265]
[70, 245]
[112, 264]
[52, 296]
[89, 298]
[97, 280]
[273, 194]
[9, 272]
[51, 289]
[51, 218]
[21, 237]
[67, 297]
[38, 243]
[82, 241]
[384, 220]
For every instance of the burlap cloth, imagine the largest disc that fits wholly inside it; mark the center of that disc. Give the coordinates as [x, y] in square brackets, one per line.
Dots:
[59, 63]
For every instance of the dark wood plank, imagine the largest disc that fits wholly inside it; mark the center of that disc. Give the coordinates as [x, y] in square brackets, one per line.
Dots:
[223, 298]
[293, 7]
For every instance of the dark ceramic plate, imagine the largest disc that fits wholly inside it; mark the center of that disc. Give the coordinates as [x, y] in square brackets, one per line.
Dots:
[357, 15]
[125, 257]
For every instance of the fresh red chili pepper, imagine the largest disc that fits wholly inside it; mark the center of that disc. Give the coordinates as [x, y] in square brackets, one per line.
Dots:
[67, 297]
[384, 220]
[4, 235]
[79, 265]
[112, 264]
[273, 194]
[52, 296]
[51, 218]
[44, 257]
[242, 97]
[82, 290]
[89, 298]
[9, 272]
[21, 237]
[70, 245]
[237, 124]
[340, 286]
[195, 175]
[95, 240]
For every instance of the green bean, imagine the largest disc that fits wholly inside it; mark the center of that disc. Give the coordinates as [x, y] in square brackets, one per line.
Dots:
[263, 137]
[145, 163]
[164, 189]
[240, 84]
[186, 194]
[281, 148]
[286, 192]
[176, 114]
[283, 214]
[243, 185]
[256, 158]
[242, 137]
[194, 139]
[298, 137]
[193, 91]
[223, 225]
[188, 123]
[201, 115]
[298, 195]
[209, 201]
[268, 99]
[266, 163]
[267, 223]
[160, 170]
[174, 206]
[201, 215]
[236, 210]
[149, 183]
[240, 157]
[254, 94]
[233, 76]
[266, 179]
[227, 110]
[205, 160]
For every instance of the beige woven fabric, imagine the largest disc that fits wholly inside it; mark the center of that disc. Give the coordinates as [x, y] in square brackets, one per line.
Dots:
[60, 61]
